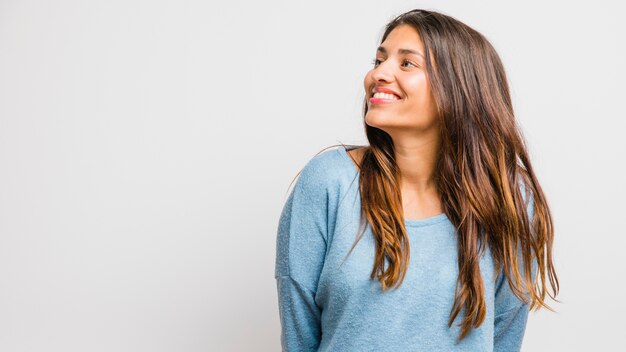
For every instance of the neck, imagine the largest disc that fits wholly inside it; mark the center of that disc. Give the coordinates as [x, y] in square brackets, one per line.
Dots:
[417, 161]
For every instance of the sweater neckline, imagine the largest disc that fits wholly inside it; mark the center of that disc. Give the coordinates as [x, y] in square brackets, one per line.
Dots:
[407, 222]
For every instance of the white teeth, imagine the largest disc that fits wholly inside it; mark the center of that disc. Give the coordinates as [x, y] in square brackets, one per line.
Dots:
[385, 96]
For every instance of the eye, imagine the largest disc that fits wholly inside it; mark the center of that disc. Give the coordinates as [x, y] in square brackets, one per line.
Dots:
[376, 62]
[409, 62]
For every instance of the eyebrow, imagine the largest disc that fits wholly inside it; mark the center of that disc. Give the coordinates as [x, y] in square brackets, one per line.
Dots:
[400, 51]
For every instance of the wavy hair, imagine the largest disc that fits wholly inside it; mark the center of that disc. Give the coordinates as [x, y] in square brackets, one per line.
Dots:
[481, 170]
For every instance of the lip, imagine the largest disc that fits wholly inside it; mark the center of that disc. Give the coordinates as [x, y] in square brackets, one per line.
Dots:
[383, 101]
[373, 100]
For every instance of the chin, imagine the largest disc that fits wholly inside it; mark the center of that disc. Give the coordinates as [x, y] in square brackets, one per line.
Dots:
[379, 121]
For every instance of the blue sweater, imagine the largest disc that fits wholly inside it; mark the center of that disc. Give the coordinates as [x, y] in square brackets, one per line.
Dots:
[326, 308]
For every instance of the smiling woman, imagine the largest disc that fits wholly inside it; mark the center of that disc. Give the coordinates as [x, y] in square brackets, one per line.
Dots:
[454, 235]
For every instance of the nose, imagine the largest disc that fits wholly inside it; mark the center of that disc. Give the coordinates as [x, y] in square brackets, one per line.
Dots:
[382, 72]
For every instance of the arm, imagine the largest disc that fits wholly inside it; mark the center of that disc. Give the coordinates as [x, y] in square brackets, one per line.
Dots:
[511, 314]
[300, 253]
[299, 316]
[510, 326]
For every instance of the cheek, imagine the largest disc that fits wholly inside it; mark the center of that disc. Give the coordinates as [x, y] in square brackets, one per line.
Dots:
[420, 90]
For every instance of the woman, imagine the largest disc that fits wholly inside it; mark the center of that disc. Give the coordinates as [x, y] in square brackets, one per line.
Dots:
[453, 229]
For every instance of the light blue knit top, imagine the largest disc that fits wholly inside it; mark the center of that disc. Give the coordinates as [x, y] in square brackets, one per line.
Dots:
[324, 307]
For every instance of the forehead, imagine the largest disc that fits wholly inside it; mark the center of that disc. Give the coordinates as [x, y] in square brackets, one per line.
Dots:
[403, 36]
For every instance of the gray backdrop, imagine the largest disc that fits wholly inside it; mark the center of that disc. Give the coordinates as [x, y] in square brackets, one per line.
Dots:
[146, 148]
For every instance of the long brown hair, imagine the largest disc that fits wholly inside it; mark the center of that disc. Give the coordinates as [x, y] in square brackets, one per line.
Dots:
[482, 168]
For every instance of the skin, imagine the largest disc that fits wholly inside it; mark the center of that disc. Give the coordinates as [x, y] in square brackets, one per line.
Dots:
[412, 122]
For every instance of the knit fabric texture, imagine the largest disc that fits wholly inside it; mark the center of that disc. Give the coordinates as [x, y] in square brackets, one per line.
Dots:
[327, 306]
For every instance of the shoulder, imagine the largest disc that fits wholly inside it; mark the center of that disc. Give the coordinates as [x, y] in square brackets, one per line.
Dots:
[327, 168]
[356, 154]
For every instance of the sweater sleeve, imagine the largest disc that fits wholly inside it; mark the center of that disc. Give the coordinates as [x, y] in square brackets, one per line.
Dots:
[511, 314]
[300, 254]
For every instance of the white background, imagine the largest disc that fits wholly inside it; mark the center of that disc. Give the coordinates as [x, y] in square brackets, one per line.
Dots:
[146, 149]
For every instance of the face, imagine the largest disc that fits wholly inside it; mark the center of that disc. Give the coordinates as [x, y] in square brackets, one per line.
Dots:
[399, 73]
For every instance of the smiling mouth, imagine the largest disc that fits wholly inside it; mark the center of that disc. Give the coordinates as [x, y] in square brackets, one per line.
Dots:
[387, 96]
[383, 98]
